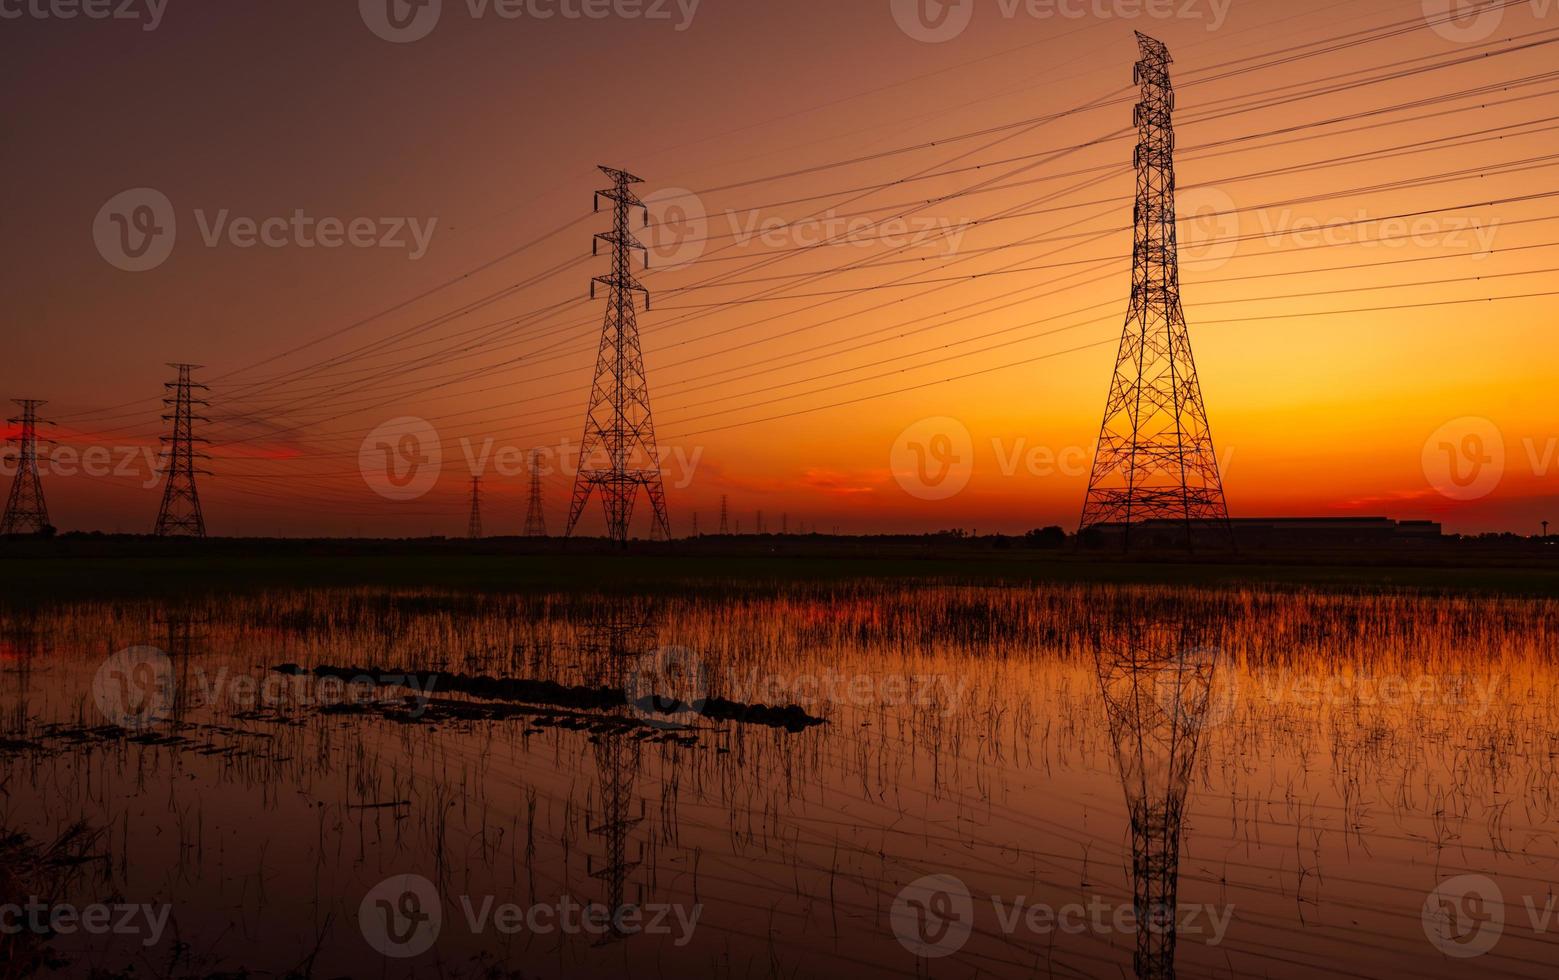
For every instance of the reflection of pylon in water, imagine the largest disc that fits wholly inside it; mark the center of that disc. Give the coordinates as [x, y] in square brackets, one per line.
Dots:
[183, 635]
[22, 641]
[615, 639]
[1156, 689]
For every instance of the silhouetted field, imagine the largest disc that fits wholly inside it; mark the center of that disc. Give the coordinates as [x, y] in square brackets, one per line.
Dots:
[124, 565]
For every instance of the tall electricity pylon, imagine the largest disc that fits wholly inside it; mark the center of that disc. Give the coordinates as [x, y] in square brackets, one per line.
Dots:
[725, 514]
[1155, 458]
[474, 526]
[535, 516]
[26, 512]
[1156, 689]
[180, 514]
[618, 455]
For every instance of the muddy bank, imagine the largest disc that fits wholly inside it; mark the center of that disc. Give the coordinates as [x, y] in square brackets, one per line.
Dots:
[529, 691]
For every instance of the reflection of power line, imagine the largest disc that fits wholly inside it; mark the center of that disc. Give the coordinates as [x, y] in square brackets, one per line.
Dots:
[612, 640]
[183, 636]
[1156, 690]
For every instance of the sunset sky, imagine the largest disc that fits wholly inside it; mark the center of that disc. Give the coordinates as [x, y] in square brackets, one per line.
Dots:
[1369, 248]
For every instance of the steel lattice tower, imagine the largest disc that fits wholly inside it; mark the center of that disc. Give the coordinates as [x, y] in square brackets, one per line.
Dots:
[1155, 459]
[1156, 690]
[618, 455]
[535, 516]
[725, 514]
[474, 526]
[180, 513]
[26, 512]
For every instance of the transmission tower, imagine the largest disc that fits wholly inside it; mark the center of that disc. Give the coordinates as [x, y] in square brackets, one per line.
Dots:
[1156, 690]
[474, 526]
[535, 517]
[180, 514]
[1155, 459]
[725, 514]
[618, 455]
[25, 510]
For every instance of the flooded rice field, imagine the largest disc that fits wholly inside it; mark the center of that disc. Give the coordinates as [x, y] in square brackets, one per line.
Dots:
[804, 781]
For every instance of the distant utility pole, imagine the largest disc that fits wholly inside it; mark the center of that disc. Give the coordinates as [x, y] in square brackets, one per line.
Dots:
[759, 527]
[180, 514]
[617, 455]
[725, 514]
[785, 523]
[25, 510]
[695, 523]
[535, 516]
[474, 529]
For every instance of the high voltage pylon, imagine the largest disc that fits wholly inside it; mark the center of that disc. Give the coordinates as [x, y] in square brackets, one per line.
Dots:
[1156, 691]
[618, 455]
[26, 512]
[725, 514]
[535, 516]
[180, 514]
[1155, 458]
[474, 526]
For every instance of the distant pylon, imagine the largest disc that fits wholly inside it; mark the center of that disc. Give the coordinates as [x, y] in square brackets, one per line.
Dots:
[1156, 693]
[725, 514]
[695, 523]
[535, 516]
[618, 455]
[26, 512]
[180, 514]
[474, 527]
[1155, 458]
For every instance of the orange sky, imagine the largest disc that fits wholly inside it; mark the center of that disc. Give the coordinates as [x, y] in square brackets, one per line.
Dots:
[802, 385]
